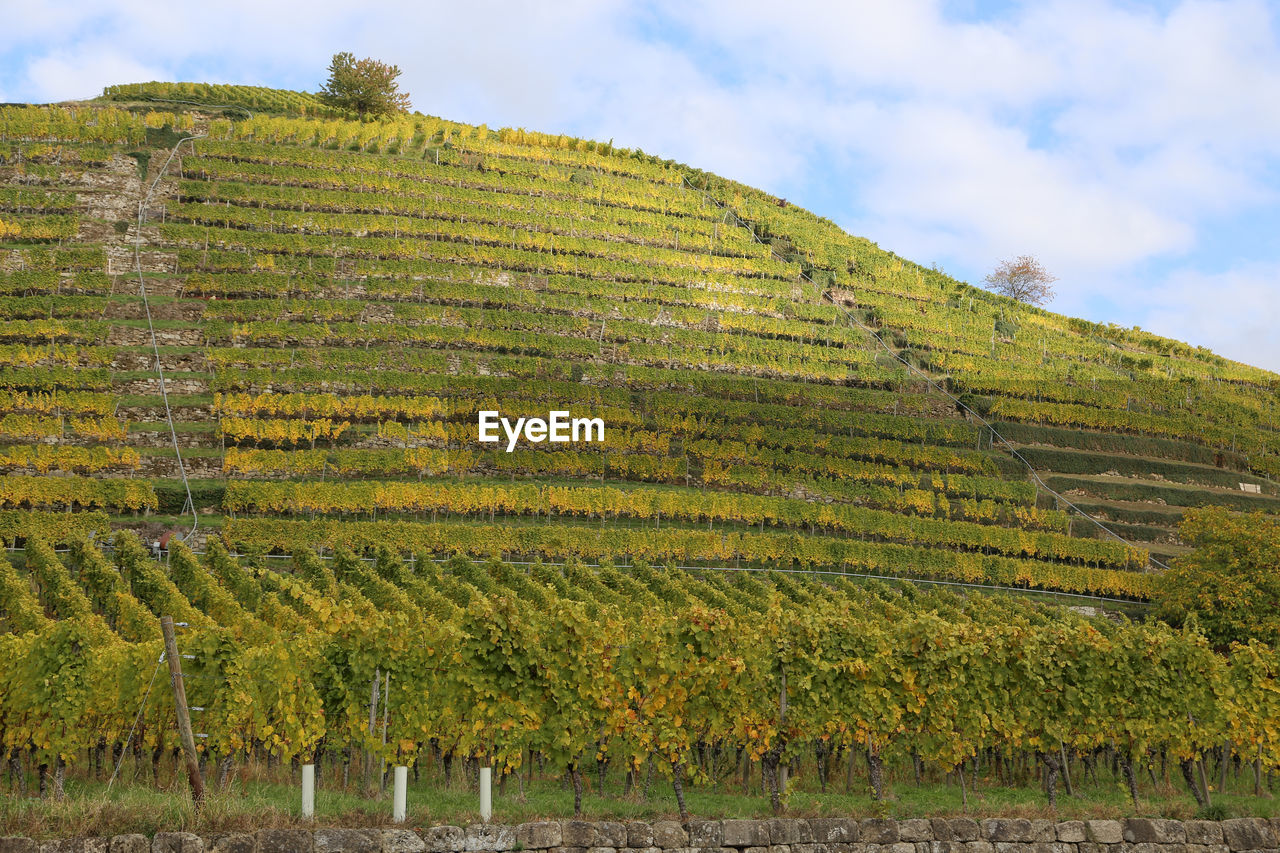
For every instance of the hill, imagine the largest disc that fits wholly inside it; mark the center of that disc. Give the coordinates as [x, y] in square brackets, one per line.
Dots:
[333, 303]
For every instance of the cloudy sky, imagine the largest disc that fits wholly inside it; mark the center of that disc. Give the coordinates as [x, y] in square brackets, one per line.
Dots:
[1133, 147]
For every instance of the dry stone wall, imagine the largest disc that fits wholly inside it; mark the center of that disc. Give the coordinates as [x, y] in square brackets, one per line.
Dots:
[815, 835]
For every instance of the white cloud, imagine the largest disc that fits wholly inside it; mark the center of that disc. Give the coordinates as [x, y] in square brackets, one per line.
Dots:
[988, 194]
[1235, 313]
[67, 75]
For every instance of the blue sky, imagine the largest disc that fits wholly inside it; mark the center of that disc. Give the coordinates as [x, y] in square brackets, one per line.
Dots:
[1133, 147]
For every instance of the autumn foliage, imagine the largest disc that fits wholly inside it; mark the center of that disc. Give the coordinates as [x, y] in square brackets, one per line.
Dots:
[1229, 582]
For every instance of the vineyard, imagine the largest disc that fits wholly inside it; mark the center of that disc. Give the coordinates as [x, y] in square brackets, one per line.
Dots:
[332, 302]
[550, 670]
[240, 321]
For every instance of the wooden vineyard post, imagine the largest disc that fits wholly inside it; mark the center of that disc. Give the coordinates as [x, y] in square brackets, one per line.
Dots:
[184, 717]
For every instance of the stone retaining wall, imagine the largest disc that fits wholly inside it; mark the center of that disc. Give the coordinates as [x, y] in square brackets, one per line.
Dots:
[814, 835]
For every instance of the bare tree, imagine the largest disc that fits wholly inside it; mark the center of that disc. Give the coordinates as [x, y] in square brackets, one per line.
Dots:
[1024, 279]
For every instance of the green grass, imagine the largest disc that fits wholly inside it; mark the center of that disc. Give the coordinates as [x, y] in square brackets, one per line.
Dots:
[180, 521]
[178, 426]
[170, 375]
[187, 452]
[256, 799]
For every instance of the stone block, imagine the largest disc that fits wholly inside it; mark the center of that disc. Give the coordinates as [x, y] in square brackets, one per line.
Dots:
[1203, 831]
[1008, 830]
[132, 843]
[1248, 833]
[400, 841]
[941, 829]
[23, 844]
[746, 833]
[961, 828]
[1104, 831]
[1013, 847]
[284, 841]
[603, 849]
[1152, 847]
[979, 847]
[228, 842]
[76, 844]
[577, 833]
[639, 835]
[669, 835]
[785, 831]
[809, 847]
[177, 842]
[1154, 831]
[610, 833]
[1070, 831]
[538, 835]
[440, 839]
[1043, 832]
[833, 830]
[878, 830]
[333, 840]
[487, 837]
[916, 829]
[706, 833]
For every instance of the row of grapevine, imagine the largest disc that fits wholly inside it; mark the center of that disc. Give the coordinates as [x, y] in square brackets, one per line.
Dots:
[46, 492]
[86, 460]
[71, 124]
[672, 505]
[854, 664]
[588, 542]
[33, 282]
[539, 213]
[460, 226]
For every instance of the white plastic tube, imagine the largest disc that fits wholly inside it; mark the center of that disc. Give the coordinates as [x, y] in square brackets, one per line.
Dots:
[400, 797]
[308, 790]
[486, 793]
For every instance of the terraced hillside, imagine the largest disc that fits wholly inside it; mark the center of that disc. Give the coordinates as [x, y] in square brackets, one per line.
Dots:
[332, 303]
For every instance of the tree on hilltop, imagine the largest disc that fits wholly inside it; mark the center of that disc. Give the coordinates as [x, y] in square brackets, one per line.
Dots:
[1024, 279]
[365, 85]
